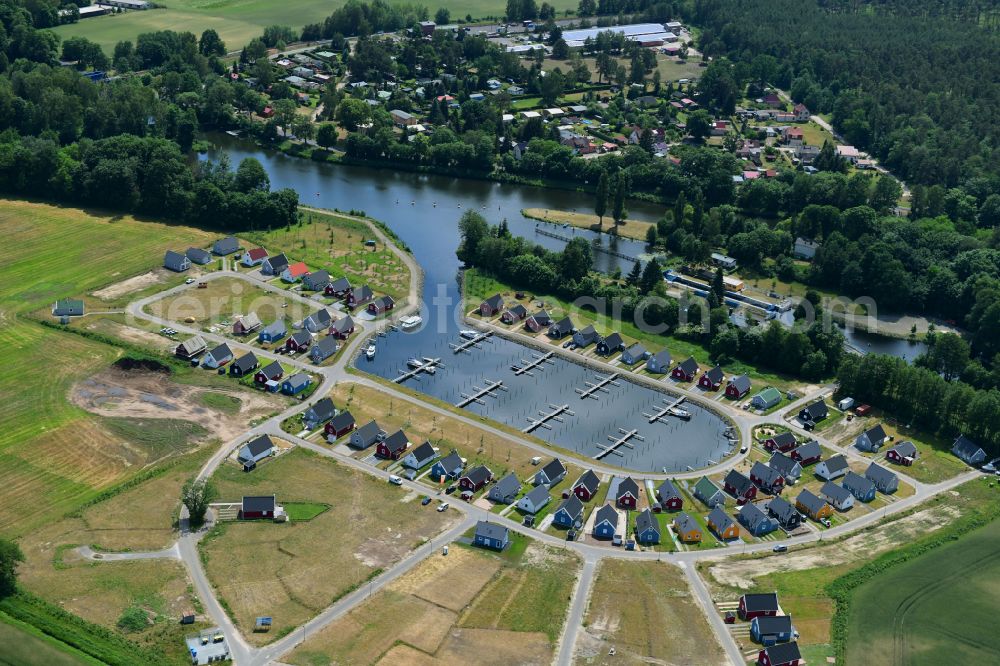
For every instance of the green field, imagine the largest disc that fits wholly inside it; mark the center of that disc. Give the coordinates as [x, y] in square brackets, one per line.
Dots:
[26, 646]
[238, 21]
[940, 607]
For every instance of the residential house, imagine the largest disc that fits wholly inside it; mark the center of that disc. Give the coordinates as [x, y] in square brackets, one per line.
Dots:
[968, 451]
[254, 257]
[319, 412]
[586, 486]
[562, 328]
[758, 605]
[198, 256]
[807, 454]
[491, 535]
[254, 451]
[801, 112]
[226, 245]
[814, 413]
[342, 328]
[359, 296]
[871, 440]
[295, 384]
[569, 512]
[381, 305]
[538, 321]
[553, 472]
[780, 654]
[789, 469]
[586, 337]
[755, 520]
[258, 506]
[366, 436]
[191, 347]
[724, 527]
[669, 497]
[606, 522]
[244, 365]
[324, 349]
[294, 272]
[832, 468]
[659, 363]
[393, 446]
[338, 426]
[634, 354]
[505, 490]
[246, 324]
[804, 248]
[861, 487]
[885, 480]
[420, 456]
[738, 387]
[739, 486]
[317, 321]
[491, 306]
[767, 478]
[475, 478]
[176, 261]
[299, 341]
[708, 492]
[338, 288]
[903, 453]
[782, 441]
[275, 265]
[449, 467]
[611, 344]
[270, 372]
[647, 528]
[723, 261]
[786, 514]
[687, 528]
[813, 506]
[766, 399]
[316, 281]
[839, 497]
[514, 314]
[402, 119]
[68, 307]
[272, 332]
[712, 379]
[535, 500]
[217, 357]
[627, 493]
[686, 370]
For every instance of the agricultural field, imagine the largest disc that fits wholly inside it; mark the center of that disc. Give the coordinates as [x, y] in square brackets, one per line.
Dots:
[284, 569]
[471, 605]
[645, 610]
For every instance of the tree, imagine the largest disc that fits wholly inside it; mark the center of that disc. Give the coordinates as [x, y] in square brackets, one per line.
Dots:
[652, 275]
[10, 557]
[949, 355]
[719, 285]
[303, 128]
[552, 86]
[651, 235]
[442, 16]
[618, 210]
[577, 260]
[699, 124]
[634, 275]
[601, 197]
[196, 496]
[352, 113]
[284, 114]
[211, 44]
[587, 8]
[255, 50]
[473, 229]
[326, 135]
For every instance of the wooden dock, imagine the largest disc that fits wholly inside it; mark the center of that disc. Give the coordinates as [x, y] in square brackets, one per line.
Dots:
[601, 385]
[543, 422]
[426, 367]
[527, 367]
[671, 409]
[466, 344]
[477, 397]
[596, 248]
[617, 442]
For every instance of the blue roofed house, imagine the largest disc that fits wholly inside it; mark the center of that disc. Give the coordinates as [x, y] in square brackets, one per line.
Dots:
[491, 535]
[254, 451]
[569, 512]
[606, 522]
[968, 451]
[226, 245]
[885, 480]
[862, 488]
[198, 255]
[647, 528]
[586, 336]
[68, 307]
[323, 349]
[176, 261]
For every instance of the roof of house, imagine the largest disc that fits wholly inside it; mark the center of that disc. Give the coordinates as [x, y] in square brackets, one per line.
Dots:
[553, 469]
[811, 502]
[361, 293]
[301, 337]
[751, 514]
[478, 475]
[342, 420]
[537, 495]
[326, 346]
[518, 310]
[738, 482]
[322, 277]
[834, 493]
[686, 523]
[383, 302]
[688, 365]
[810, 449]
[661, 357]
[636, 350]
[259, 445]
[905, 449]
[542, 317]
[836, 463]
[783, 653]
[495, 301]
[193, 344]
[565, 324]
[343, 324]
[226, 245]
[781, 507]
[246, 362]
[645, 521]
[769, 394]
[276, 327]
[606, 513]
[508, 485]
[451, 462]
[198, 254]
[423, 452]
[397, 441]
[783, 439]
[278, 261]
[262, 503]
[880, 475]
[720, 519]
[588, 480]
[715, 375]
[340, 284]
[588, 333]
[782, 463]
[875, 434]
[765, 473]
[613, 341]
[257, 253]
[817, 410]
[572, 506]
[628, 486]
[858, 484]
[760, 601]
[323, 409]
[321, 316]
[221, 351]
[774, 624]
[171, 257]
[271, 370]
[965, 447]
[705, 488]
[369, 431]
[491, 531]
[667, 490]
[297, 269]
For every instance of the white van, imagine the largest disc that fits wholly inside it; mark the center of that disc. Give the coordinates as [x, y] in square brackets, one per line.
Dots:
[395, 480]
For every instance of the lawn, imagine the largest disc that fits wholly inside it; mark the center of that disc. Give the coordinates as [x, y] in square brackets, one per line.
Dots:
[645, 610]
[456, 609]
[304, 510]
[220, 401]
[628, 229]
[214, 308]
[292, 571]
[935, 462]
[26, 646]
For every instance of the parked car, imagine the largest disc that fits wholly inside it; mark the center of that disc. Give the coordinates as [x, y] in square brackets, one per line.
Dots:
[443, 506]
[449, 490]
[189, 281]
[395, 480]
[425, 501]
[571, 535]
[780, 548]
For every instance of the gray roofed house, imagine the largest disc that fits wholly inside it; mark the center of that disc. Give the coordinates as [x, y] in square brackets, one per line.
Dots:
[861, 487]
[246, 323]
[872, 439]
[838, 496]
[832, 468]
[786, 514]
[807, 453]
[244, 365]
[904, 452]
[365, 436]
[342, 327]
[606, 522]
[551, 474]
[316, 280]
[885, 480]
[274, 265]
[491, 535]
[226, 245]
[420, 456]
[586, 336]
[627, 492]
[254, 451]
[815, 412]
[217, 356]
[647, 528]
[295, 383]
[338, 287]
[323, 349]
[738, 386]
[491, 305]
[782, 654]
[766, 477]
[756, 521]
[272, 370]
[450, 466]
[634, 354]
[360, 295]
[968, 451]
[790, 469]
[610, 344]
[537, 321]
[688, 366]
[669, 496]
[191, 347]
[721, 523]
[505, 490]
[317, 321]
[568, 512]
[273, 331]
[686, 527]
[198, 256]
[320, 412]
[562, 328]
[534, 500]
[659, 362]
[587, 484]
[811, 503]
[176, 261]
[68, 307]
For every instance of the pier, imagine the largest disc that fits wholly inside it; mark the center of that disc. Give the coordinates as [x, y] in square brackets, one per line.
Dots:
[671, 409]
[427, 367]
[466, 344]
[537, 362]
[596, 248]
[601, 385]
[617, 442]
[477, 397]
[543, 422]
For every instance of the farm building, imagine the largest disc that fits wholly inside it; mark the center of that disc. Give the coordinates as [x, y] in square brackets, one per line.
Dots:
[274, 265]
[68, 307]
[191, 347]
[782, 654]
[871, 440]
[393, 446]
[611, 344]
[198, 255]
[338, 288]
[712, 379]
[420, 456]
[514, 314]
[226, 245]
[298, 341]
[316, 281]
[862, 488]
[367, 435]
[176, 261]
[254, 451]
[686, 528]
[769, 630]
[627, 493]
[685, 370]
[758, 605]
[536, 322]
[669, 497]
[782, 441]
[491, 306]
[244, 365]
[553, 472]
[505, 490]
[320, 412]
[338, 426]
[766, 399]
[586, 486]
[739, 486]
[738, 387]
[218, 357]
[903, 453]
[317, 321]
[491, 535]
[659, 363]
[839, 497]
[832, 468]
[475, 478]
[342, 327]
[323, 349]
[562, 328]
[535, 500]
[756, 521]
[254, 257]
[586, 337]
[781, 510]
[647, 529]
[807, 454]
[724, 527]
[606, 522]
[968, 451]
[381, 305]
[885, 481]
[259, 506]
[789, 469]
[449, 467]
[812, 506]
[296, 384]
[569, 512]
[767, 478]
[708, 492]
[246, 324]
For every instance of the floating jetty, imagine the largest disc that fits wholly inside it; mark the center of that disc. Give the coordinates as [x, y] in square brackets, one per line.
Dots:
[480, 393]
[473, 342]
[545, 417]
[618, 442]
[527, 366]
[596, 248]
[601, 385]
[430, 365]
[671, 409]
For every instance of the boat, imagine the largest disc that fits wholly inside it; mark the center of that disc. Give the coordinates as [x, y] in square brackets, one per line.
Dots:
[410, 322]
[468, 334]
[370, 352]
[414, 363]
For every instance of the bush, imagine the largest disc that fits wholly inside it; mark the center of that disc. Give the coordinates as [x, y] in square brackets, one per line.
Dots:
[133, 619]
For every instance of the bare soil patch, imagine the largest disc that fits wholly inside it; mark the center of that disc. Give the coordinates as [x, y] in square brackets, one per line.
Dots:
[132, 284]
[493, 646]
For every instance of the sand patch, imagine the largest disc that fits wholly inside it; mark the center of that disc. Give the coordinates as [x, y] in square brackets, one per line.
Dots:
[404, 655]
[113, 291]
[490, 646]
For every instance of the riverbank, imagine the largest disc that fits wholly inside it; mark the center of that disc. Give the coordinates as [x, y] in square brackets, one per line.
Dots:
[898, 327]
[634, 229]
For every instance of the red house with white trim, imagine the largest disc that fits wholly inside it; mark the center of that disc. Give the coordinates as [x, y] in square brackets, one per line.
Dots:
[393, 446]
[686, 370]
[712, 379]
[758, 605]
[738, 387]
[586, 486]
[627, 495]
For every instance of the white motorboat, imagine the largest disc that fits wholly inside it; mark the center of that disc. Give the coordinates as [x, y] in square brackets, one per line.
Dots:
[468, 334]
[410, 322]
[370, 352]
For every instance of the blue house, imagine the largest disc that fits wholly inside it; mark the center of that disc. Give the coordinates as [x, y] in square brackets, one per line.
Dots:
[569, 512]
[449, 467]
[756, 521]
[272, 332]
[770, 630]
[297, 383]
[491, 535]
[861, 487]
[606, 522]
[647, 529]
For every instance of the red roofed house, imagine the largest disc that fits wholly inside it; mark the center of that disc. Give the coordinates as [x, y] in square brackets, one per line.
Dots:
[294, 272]
[254, 257]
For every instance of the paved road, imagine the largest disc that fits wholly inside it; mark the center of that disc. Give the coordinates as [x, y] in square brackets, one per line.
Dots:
[172, 553]
[574, 619]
